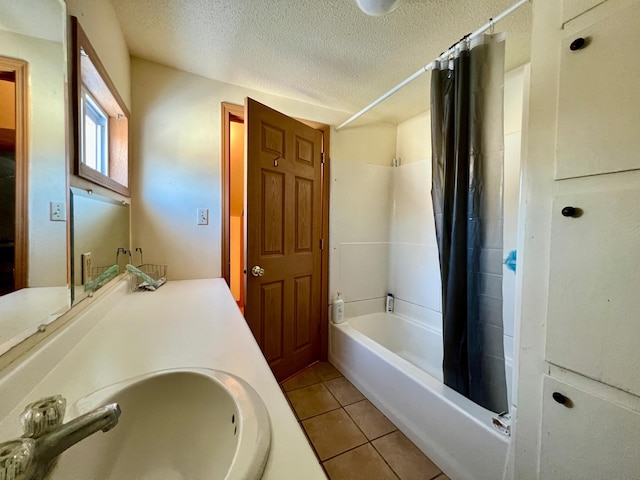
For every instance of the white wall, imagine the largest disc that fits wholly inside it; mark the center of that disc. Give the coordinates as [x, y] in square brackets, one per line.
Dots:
[99, 21]
[359, 234]
[47, 240]
[359, 216]
[176, 152]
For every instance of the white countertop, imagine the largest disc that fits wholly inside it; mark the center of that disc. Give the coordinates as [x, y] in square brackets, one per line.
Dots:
[191, 323]
[22, 311]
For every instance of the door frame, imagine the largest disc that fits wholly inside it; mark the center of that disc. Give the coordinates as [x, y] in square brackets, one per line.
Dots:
[21, 242]
[232, 112]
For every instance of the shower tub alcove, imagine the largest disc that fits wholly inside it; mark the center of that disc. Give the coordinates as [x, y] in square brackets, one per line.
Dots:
[397, 363]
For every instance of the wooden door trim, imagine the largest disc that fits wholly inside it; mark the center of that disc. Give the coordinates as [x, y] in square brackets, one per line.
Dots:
[230, 112]
[233, 112]
[21, 69]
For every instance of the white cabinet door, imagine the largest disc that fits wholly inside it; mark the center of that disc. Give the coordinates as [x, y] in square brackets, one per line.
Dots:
[573, 8]
[587, 438]
[594, 288]
[599, 102]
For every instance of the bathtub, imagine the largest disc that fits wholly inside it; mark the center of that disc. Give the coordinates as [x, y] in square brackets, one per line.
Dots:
[396, 362]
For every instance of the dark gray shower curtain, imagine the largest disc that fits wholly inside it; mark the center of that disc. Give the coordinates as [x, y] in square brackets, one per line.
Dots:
[468, 144]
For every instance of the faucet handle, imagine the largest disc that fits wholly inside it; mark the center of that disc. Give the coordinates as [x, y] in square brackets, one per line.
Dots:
[16, 457]
[43, 416]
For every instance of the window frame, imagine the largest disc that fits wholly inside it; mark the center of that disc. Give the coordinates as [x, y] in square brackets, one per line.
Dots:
[91, 77]
[92, 109]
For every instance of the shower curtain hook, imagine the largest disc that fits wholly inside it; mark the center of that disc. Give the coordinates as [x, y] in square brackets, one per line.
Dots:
[491, 25]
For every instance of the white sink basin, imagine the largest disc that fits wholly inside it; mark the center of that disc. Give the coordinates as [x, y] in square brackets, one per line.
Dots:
[175, 424]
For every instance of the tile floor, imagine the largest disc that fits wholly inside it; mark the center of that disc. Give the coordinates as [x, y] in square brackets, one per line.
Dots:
[352, 439]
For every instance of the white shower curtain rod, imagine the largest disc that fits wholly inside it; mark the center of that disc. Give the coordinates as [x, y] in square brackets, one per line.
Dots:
[431, 64]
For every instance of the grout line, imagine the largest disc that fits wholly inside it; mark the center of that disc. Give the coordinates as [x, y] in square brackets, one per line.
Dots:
[346, 451]
[337, 400]
[304, 386]
[368, 441]
[379, 436]
[316, 415]
[353, 403]
[383, 458]
[309, 385]
[310, 443]
[374, 449]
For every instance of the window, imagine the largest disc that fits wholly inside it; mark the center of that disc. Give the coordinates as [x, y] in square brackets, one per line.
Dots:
[94, 135]
[101, 119]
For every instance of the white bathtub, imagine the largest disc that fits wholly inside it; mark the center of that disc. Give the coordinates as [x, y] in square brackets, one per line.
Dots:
[396, 362]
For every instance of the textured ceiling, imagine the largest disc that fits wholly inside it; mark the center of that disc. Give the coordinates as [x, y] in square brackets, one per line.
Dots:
[325, 52]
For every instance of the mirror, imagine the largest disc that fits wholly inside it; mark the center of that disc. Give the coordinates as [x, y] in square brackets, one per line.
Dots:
[33, 185]
[100, 241]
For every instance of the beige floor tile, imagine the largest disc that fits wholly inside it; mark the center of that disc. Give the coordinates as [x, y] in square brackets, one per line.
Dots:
[370, 420]
[326, 371]
[312, 400]
[405, 458]
[362, 463]
[305, 378]
[333, 433]
[344, 391]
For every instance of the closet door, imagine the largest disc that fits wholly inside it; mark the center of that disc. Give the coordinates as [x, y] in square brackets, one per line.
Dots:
[599, 102]
[587, 437]
[594, 302]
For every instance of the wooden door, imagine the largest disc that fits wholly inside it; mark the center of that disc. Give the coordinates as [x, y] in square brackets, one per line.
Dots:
[14, 155]
[284, 227]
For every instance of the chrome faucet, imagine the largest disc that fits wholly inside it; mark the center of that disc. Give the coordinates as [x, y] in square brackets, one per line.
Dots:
[31, 456]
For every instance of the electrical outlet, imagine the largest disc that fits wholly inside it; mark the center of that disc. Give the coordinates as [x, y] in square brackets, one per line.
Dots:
[86, 267]
[203, 216]
[57, 211]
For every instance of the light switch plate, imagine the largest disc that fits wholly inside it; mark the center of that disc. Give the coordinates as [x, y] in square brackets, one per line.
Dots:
[203, 216]
[57, 211]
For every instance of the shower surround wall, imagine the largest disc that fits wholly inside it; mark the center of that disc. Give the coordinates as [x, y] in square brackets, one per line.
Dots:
[382, 228]
[361, 200]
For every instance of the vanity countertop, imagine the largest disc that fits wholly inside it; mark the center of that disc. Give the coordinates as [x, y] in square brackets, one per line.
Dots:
[189, 323]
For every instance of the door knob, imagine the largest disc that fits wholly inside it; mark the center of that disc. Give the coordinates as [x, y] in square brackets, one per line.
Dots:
[257, 271]
[569, 212]
[562, 399]
[577, 44]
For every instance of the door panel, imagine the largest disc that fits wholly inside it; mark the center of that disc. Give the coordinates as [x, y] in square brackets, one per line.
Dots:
[284, 227]
[272, 213]
[272, 322]
[304, 215]
[303, 287]
[598, 112]
[594, 276]
[587, 438]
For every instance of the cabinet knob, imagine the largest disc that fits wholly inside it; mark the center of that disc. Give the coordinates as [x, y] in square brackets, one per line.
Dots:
[577, 44]
[562, 399]
[569, 212]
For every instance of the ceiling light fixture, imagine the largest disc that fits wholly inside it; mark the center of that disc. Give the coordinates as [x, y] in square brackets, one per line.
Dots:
[378, 8]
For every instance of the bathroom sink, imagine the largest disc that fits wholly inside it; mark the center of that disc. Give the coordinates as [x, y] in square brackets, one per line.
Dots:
[175, 424]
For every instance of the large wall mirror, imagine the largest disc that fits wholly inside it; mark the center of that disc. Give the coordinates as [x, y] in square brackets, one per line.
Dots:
[33, 184]
[100, 241]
